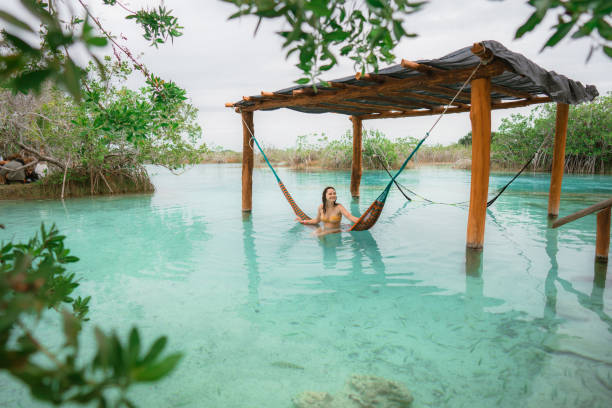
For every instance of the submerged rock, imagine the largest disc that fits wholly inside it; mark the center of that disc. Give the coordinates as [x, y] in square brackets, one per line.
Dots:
[360, 391]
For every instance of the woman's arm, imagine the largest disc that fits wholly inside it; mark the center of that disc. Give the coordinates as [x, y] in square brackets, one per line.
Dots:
[313, 221]
[347, 214]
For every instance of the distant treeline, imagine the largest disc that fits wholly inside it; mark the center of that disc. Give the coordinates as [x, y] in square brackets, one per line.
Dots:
[519, 137]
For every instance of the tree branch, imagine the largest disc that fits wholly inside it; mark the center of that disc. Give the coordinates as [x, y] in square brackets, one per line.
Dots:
[41, 157]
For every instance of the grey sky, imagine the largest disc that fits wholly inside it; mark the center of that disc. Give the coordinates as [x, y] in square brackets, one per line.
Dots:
[220, 61]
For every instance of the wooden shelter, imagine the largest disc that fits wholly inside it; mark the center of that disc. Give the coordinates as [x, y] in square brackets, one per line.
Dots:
[502, 80]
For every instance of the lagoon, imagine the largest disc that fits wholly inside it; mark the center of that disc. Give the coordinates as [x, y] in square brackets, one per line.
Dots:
[263, 310]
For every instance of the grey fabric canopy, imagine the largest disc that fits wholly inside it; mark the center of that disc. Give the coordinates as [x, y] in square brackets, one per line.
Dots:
[521, 79]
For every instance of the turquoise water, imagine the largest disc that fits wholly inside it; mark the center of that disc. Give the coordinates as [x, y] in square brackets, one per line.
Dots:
[264, 310]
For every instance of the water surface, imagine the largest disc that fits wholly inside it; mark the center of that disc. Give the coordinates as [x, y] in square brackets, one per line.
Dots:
[264, 310]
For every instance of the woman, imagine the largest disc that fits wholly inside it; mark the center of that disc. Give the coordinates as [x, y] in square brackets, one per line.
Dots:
[330, 213]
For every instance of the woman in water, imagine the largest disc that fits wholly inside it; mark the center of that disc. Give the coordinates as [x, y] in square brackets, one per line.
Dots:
[330, 213]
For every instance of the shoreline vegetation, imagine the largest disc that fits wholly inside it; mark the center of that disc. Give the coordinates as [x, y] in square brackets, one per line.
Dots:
[519, 137]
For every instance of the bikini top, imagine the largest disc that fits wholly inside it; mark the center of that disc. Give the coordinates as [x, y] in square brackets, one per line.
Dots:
[336, 218]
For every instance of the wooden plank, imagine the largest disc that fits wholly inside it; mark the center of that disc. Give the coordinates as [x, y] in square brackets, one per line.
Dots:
[558, 164]
[480, 116]
[357, 168]
[347, 106]
[247, 161]
[445, 91]
[415, 66]
[510, 92]
[602, 244]
[438, 110]
[399, 102]
[586, 211]
[493, 69]
[430, 98]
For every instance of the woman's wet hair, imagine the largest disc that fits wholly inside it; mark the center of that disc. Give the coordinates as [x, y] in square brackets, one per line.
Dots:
[324, 200]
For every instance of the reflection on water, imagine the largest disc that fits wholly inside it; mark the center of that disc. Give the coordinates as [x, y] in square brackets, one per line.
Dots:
[265, 310]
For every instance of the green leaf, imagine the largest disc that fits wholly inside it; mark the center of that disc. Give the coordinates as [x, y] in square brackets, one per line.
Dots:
[529, 25]
[605, 30]
[134, 345]
[156, 371]
[336, 36]
[562, 30]
[608, 51]
[319, 7]
[97, 41]
[302, 81]
[375, 3]
[155, 350]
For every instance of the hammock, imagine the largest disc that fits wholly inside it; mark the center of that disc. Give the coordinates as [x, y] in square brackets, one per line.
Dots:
[296, 209]
[496, 195]
[371, 215]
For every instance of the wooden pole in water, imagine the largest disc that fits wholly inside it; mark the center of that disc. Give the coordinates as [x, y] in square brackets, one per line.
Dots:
[480, 115]
[602, 245]
[558, 164]
[357, 169]
[247, 161]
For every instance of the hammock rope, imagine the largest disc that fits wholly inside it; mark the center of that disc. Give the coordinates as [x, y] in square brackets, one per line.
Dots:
[497, 194]
[371, 215]
[296, 209]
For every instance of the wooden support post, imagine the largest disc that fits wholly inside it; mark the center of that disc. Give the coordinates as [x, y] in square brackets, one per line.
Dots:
[480, 115]
[247, 161]
[558, 164]
[602, 245]
[357, 166]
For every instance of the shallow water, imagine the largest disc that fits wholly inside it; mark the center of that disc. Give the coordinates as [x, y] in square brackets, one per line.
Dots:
[264, 310]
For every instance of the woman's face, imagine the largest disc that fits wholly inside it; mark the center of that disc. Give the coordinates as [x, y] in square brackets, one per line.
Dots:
[330, 195]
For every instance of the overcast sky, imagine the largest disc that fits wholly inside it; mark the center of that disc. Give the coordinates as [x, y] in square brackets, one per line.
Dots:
[220, 61]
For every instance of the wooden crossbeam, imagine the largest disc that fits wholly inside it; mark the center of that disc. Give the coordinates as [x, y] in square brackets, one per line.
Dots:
[430, 98]
[422, 112]
[383, 106]
[274, 95]
[511, 92]
[346, 106]
[437, 77]
[445, 91]
[401, 102]
[415, 66]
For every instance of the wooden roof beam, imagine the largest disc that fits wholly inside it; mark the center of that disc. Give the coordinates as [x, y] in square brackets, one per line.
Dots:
[495, 106]
[491, 70]
[430, 98]
[511, 92]
[409, 104]
[274, 95]
[384, 106]
[415, 66]
[346, 107]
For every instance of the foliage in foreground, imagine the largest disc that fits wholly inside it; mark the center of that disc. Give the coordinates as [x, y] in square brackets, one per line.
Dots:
[317, 30]
[33, 279]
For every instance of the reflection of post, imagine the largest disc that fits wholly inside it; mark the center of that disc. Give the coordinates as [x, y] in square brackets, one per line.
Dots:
[550, 289]
[250, 260]
[473, 262]
[602, 244]
[474, 284]
[599, 283]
